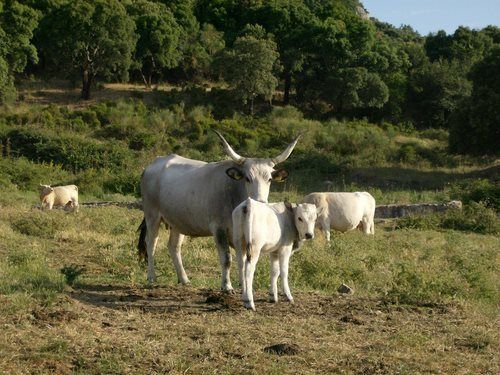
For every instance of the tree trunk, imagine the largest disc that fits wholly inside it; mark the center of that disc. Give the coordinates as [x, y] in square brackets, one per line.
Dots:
[288, 84]
[86, 84]
[144, 79]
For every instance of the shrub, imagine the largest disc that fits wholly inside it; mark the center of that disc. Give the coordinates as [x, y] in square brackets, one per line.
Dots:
[475, 217]
[422, 222]
[38, 223]
[27, 175]
[478, 190]
[72, 272]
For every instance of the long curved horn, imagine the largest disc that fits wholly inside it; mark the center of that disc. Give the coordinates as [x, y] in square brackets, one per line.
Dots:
[229, 150]
[285, 154]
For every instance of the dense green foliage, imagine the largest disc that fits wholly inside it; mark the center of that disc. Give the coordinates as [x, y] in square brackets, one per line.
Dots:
[323, 57]
[91, 39]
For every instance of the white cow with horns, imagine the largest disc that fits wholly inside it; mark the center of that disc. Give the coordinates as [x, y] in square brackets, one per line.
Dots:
[274, 228]
[344, 211]
[196, 198]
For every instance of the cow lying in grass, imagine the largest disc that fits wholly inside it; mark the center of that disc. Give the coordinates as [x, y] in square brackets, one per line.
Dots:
[343, 211]
[274, 228]
[59, 196]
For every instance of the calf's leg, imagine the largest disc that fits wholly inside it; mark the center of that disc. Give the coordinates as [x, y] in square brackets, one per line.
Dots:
[250, 264]
[275, 270]
[284, 258]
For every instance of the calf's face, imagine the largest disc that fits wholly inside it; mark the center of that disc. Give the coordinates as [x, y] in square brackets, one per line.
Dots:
[305, 219]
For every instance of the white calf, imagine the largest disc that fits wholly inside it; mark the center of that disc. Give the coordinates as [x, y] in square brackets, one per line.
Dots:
[343, 211]
[63, 196]
[274, 228]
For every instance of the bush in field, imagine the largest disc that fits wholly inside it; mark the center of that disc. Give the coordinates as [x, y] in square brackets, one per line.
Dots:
[480, 190]
[38, 223]
[359, 140]
[27, 175]
[72, 152]
[424, 222]
[72, 272]
[474, 217]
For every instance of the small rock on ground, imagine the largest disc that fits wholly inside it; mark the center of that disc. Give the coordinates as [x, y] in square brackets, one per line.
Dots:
[282, 349]
[345, 289]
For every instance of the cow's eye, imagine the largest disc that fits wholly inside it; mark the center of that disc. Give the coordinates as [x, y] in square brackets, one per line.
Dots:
[247, 179]
[270, 180]
[300, 219]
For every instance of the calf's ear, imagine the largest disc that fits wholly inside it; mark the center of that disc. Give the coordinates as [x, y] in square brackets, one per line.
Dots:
[279, 175]
[234, 173]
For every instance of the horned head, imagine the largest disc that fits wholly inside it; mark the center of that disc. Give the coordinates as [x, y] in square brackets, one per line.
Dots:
[258, 173]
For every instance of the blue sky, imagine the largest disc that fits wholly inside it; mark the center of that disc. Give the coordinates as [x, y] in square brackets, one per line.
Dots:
[432, 15]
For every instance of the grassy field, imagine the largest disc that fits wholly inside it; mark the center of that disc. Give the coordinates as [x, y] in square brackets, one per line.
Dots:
[74, 299]
[425, 301]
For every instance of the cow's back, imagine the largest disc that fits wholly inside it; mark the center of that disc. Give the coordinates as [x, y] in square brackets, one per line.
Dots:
[368, 205]
[344, 210]
[191, 196]
[64, 194]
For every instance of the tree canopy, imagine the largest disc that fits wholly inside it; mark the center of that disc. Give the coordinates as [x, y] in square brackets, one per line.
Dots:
[326, 57]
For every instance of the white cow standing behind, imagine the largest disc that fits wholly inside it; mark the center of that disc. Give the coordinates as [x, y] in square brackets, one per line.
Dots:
[59, 196]
[274, 228]
[343, 211]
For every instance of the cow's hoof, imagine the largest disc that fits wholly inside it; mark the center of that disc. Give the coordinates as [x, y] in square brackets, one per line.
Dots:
[291, 301]
[249, 305]
[273, 299]
[184, 282]
[228, 290]
[151, 279]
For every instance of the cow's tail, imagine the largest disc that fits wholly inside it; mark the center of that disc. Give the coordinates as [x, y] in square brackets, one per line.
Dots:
[247, 228]
[141, 245]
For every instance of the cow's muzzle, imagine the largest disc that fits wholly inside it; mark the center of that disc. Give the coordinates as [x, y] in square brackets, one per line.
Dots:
[309, 236]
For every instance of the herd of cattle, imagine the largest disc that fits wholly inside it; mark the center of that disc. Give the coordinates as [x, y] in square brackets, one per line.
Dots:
[229, 201]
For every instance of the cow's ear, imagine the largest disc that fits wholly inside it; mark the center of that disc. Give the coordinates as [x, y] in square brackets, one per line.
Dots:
[288, 205]
[280, 175]
[234, 173]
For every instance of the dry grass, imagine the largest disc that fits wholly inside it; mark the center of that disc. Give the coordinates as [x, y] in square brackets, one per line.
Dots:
[110, 321]
[62, 93]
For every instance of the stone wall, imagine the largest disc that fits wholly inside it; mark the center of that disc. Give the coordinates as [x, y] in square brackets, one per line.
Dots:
[399, 210]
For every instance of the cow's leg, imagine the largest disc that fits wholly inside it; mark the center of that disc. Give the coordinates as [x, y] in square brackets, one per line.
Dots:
[75, 205]
[224, 259]
[152, 225]
[174, 248]
[366, 225]
[275, 270]
[284, 258]
[249, 272]
[325, 227]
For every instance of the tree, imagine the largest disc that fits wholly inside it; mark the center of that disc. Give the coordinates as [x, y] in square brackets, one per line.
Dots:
[158, 44]
[290, 22]
[17, 22]
[93, 39]
[475, 125]
[199, 55]
[435, 92]
[250, 66]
